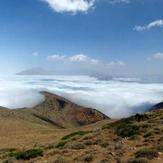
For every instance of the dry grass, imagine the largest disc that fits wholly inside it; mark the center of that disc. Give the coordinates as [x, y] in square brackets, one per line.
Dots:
[106, 145]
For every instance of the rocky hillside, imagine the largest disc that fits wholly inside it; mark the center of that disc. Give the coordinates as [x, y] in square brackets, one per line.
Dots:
[20, 127]
[61, 113]
[137, 139]
[55, 112]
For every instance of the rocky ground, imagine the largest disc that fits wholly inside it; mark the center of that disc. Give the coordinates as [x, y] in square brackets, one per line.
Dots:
[137, 139]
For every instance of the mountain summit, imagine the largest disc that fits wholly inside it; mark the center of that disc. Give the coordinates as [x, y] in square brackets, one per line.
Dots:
[62, 113]
[35, 71]
[55, 112]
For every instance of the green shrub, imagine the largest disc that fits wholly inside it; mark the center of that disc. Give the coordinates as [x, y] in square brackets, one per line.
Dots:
[130, 120]
[76, 133]
[8, 150]
[146, 153]
[127, 130]
[26, 155]
[125, 127]
[78, 146]
[139, 160]
[61, 144]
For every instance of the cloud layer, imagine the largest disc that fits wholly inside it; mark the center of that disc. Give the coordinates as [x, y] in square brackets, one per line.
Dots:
[73, 6]
[157, 23]
[56, 57]
[80, 58]
[116, 98]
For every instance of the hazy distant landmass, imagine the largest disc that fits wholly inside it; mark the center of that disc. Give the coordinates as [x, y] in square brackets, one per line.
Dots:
[35, 71]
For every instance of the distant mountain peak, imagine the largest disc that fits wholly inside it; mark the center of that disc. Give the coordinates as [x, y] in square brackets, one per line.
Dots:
[35, 71]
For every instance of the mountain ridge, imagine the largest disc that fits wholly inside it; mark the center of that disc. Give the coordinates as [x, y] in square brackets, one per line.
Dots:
[57, 112]
[65, 132]
[35, 71]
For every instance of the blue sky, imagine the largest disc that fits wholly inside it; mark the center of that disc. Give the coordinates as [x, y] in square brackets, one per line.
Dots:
[117, 37]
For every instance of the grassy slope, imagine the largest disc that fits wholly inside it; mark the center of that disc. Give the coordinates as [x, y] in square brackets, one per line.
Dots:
[27, 126]
[60, 113]
[108, 141]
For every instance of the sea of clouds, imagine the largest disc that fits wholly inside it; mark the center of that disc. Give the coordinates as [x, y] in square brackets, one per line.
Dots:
[116, 98]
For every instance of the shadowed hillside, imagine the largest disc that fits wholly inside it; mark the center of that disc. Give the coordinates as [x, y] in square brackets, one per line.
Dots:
[55, 112]
[49, 116]
[61, 113]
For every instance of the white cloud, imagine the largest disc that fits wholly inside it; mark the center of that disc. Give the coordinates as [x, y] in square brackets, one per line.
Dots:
[119, 63]
[56, 57]
[79, 58]
[127, 79]
[83, 58]
[116, 98]
[73, 6]
[157, 23]
[35, 54]
[158, 56]
[19, 97]
[119, 1]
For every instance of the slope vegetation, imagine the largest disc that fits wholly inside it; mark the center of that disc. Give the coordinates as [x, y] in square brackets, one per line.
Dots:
[29, 125]
[137, 139]
[36, 135]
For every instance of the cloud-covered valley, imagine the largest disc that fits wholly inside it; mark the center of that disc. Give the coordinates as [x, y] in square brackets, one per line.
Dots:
[116, 98]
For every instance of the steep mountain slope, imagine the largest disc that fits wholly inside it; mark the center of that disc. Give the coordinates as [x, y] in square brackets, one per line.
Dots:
[137, 139]
[37, 135]
[55, 112]
[41, 121]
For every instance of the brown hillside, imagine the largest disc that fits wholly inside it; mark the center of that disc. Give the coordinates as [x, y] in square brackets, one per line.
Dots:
[137, 139]
[39, 123]
[61, 113]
